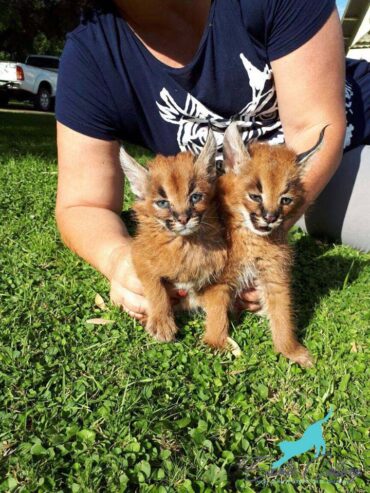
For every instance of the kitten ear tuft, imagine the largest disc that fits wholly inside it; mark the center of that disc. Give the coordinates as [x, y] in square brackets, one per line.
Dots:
[303, 160]
[235, 152]
[136, 174]
[207, 158]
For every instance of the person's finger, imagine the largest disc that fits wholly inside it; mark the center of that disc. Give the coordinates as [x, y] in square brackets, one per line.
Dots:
[250, 295]
[137, 316]
[241, 305]
[133, 302]
[252, 307]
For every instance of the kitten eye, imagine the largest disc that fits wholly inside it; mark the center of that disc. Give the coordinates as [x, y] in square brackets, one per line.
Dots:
[163, 204]
[196, 197]
[255, 197]
[286, 200]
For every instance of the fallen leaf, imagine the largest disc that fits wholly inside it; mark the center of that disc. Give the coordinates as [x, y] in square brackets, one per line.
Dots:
[99, 321]
[234, 347]
[354, 348]
[100, 303]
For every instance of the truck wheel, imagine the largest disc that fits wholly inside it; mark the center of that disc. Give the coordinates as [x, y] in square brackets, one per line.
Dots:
[4, 100]
[43, 99]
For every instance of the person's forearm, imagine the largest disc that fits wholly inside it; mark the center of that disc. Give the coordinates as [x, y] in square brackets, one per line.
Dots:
[95, 234]
[324, 163]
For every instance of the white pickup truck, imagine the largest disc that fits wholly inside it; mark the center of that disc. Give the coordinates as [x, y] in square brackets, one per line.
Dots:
[34, 80]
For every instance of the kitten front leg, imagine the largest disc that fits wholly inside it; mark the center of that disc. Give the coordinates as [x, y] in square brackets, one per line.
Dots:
[160, 322]
[216, 300]
[277, 300]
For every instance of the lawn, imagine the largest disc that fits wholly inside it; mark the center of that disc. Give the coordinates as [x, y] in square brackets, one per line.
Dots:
[104, 408]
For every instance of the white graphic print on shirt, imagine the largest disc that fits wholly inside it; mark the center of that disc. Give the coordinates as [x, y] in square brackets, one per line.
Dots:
[257, 119]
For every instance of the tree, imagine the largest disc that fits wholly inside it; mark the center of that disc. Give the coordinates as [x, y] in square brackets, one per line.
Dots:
[35, 26]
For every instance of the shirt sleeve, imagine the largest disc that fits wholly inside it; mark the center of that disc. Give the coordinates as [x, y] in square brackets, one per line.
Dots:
[83, 101]
[293, 22]
[282, 26]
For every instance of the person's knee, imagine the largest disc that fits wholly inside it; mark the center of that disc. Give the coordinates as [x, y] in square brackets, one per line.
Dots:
[342, 211]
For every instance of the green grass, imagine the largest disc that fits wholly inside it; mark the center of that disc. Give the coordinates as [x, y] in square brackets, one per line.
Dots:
[90, 408]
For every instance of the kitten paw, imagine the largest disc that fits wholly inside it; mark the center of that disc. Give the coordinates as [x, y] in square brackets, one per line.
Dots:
[301, 356]
[162, 330]
[215, 341]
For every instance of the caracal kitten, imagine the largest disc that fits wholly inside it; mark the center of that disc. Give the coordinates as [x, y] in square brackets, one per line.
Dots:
[262, 187]
[180, 240]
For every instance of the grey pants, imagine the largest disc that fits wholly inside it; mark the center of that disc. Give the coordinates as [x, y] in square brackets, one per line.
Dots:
[342, 211]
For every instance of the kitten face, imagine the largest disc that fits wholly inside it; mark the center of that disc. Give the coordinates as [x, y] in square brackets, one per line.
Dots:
[270, 191]
[175, 191]
[178, 193]
[263, 182]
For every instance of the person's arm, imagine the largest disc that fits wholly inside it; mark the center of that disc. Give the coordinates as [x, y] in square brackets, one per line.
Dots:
[89, 200]
[310, 92]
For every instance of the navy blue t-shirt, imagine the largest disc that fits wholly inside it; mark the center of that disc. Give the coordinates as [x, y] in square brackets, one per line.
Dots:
[111, 87]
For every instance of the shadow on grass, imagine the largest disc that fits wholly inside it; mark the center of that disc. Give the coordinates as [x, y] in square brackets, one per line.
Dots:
[34, 133]
[27, 133]
[315, 274]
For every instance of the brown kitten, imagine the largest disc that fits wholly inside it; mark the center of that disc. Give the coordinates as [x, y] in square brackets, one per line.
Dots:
[262, 188]
[180, 239]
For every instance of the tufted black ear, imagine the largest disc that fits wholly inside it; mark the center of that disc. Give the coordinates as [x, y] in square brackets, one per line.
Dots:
[136, 174]
[235, 152]
[304, 159]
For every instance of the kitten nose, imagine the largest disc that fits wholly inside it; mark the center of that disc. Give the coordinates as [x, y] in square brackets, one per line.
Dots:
[183, 219]
[270, 217]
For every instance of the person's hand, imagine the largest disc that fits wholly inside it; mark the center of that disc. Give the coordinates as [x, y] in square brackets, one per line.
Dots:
[249, 300]
[126, 289]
